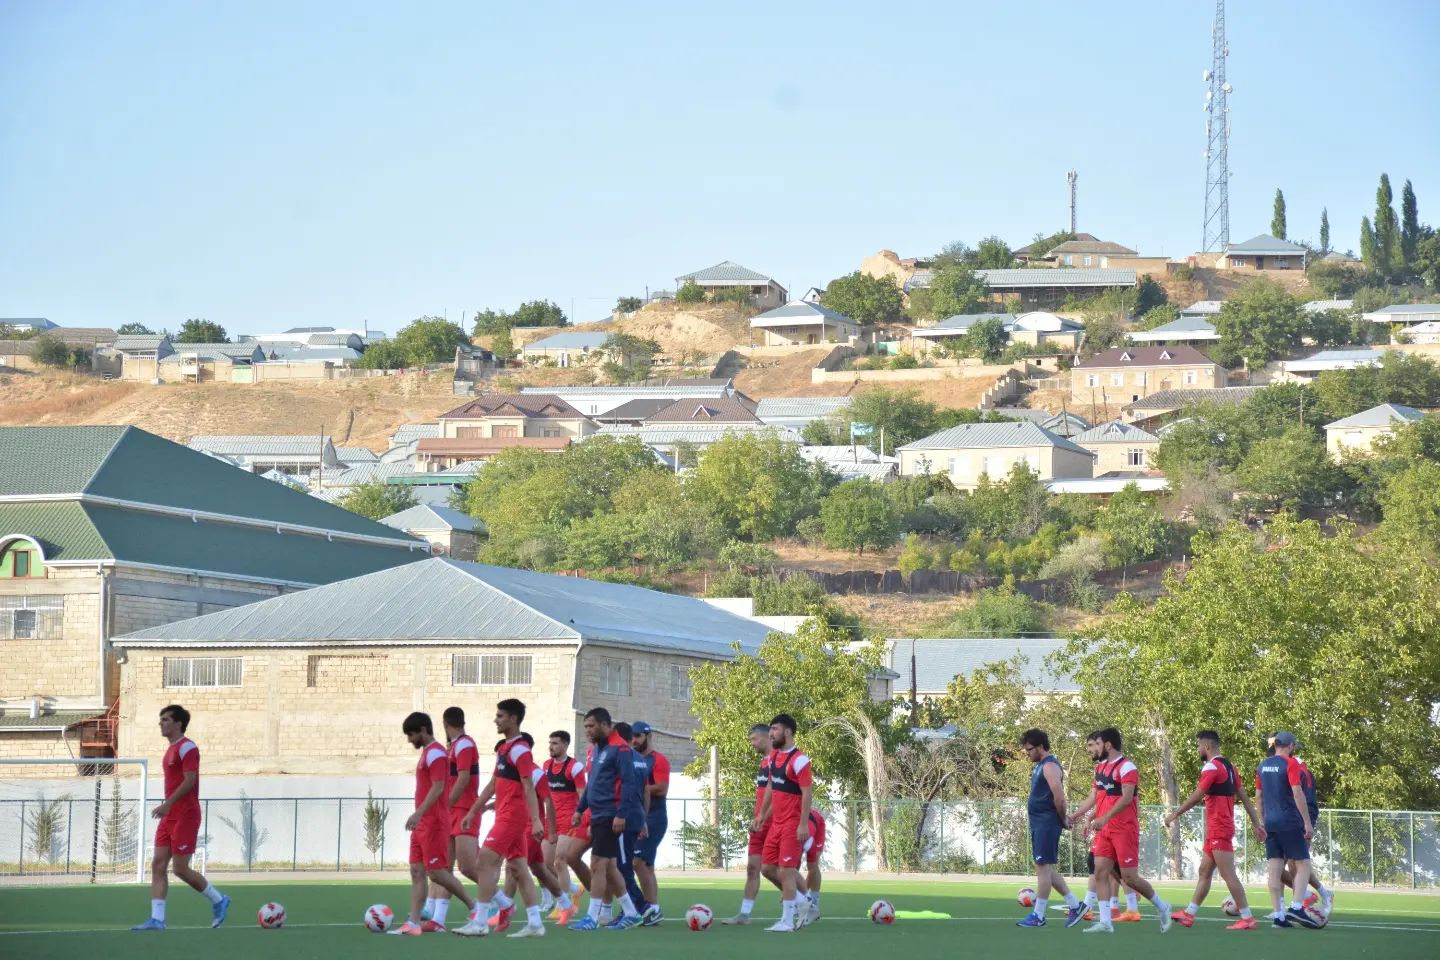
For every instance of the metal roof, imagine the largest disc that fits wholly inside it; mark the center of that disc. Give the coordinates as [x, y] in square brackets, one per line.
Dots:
[13, 719]
[876, 472]
[985, 436]
[1090, 246]
[961, 323]
[696, 433]
[427, 518]
[848, 454]
[938, 662]
[800, 313]
[1265, 244]
[1381, 416]
[1335, 256]
[1065, 424]
[1107, 483]
[569, 340]
[139, 341]
[574, 394]
[1116, 432]
[1182, 397]
[790, 407]
[1203, 308]
[410, 432]
[1020, 278]
[263, 445]
[231, 351]
[693, 410]
[1315, 306]
[449, 601]
[1176, 356]
[1042, 321]
[1405, 309]
[727, 272]
[544, 405]
[1185, 328]
[356, 455]
[1334, 360]
[637, 409]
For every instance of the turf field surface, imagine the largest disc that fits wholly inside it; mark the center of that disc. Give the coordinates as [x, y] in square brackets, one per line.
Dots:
[323, 920]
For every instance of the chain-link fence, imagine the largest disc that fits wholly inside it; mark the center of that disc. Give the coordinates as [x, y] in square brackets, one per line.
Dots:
[339, 834]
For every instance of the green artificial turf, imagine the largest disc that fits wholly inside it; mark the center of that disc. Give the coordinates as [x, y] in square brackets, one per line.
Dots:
[324, 920]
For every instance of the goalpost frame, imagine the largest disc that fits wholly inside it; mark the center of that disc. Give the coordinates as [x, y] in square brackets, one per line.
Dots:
[141, 820]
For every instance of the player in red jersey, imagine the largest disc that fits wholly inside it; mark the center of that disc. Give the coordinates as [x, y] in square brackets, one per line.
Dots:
[787, 800]
[1219, 786]
[517, 817]
[760, 742]
[1117, 830]
[429, 825]
[814, 847]
[462, 783]
[179, 827]
[566, 778]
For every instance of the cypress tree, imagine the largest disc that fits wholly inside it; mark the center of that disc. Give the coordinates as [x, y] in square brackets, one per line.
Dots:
[1409, 225]
[1277, 218]
[1367, 243]
[1387, 229]
[1324, 230]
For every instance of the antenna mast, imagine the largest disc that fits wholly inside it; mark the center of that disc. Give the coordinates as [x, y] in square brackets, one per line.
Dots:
[1070, 178]
[1217, 139]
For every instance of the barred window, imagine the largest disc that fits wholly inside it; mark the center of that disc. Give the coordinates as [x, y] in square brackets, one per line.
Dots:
[679, 683]
[204, 671]
[491, 670]
[615, 676]
[31, 618]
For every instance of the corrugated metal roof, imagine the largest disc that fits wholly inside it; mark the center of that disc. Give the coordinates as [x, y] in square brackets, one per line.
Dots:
[975, 436]
[1315, 306]
[356, 455]
[263, 445]
[60, 719]
[858, 453]
[1090, 246]
[961, 323]
[139, 341]
[440, 599]
[725, 272]
[1020, 278]
[876, 472]
[1185, 328]
[799, 313]
[427, 518]
[938, 662]
[1334, 360]
[1264, 243]
[410, 432]
[639, 409]
[1116, 431]
[1181, 397]
[1042, 321]
[638, 391]
[1382, 416]
[1406, 308]
[791, 407]
[696, 433]
[233, 351]
[569, 340]
[1064, 423]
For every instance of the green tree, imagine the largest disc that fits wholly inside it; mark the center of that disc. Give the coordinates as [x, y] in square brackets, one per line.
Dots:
[956, 289]
[628, 304]
[1277, 216]
[1324, 230]
[1411, 505]
[503, 346]
[997, 612]
[1260, 323]
[1157, 317]
[992, 253]
[377, 499]
[1427, 258]
[865, 299]
[51, 350]
[491, 321]
[383, 355]
[814, 675]
[630, 356]
[201, 331]
[690, 292]
[857, 514]
[1149, 294]
[1367, 244]
[539, 313]
[757, 485]
[902, 415]
[373, 817]
[825, 432]
[1409, 226]
[986, 339]
[1135, 526]
[429, 340]
[1387, 231]
[1291, 471]
[134, 329]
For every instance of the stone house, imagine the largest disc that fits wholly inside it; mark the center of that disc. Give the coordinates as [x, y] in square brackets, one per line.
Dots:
[764, 292]
[1119, 447]
[483, 427]
[802, 324]
[1262, 254]
[601, 399]
[318, 682]
[449, 532]
[967, 452]
[1357, 434]
[567, 348]
[1125, 374]
[108, 530]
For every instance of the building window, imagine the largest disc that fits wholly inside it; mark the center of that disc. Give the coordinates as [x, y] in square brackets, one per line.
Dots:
[615, 677]
[1117, 379]
[1086, 261]
[491, 670]
[1282, 263]
[203, 671]
[679, 682]
[1140, 377]
[31, 618]
[1092, 380]
[1069, 260]
[1192, 377]
[1135, 458]
[20, 560]
[1238, 262]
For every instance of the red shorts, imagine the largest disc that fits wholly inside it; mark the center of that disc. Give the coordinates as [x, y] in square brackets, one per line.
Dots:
[178, 830]
[534, 851]
[1219, 842]
[509, 839]
[816, 844]
[581, 832]
[1121, 845]
[757, 840]
[456, 815]
[430, 843]
[781, 847]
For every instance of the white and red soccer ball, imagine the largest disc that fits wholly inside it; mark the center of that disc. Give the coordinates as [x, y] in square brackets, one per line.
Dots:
[378, 918]
[1229, 906]
[882, 912]
[699, 917]
[1317, 914]
[1026, 897]
[271, 916]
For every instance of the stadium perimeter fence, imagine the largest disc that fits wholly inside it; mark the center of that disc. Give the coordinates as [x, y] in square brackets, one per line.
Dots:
[95, 835]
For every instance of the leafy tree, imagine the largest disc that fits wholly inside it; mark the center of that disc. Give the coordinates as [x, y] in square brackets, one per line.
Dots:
[1367, 245]
[1149, 294]
[373, 817]
[1011, 507]
[1411, 504]
[630, 356]
[628, 304]
[813, 675]
[383, 355]
[51, 351]
[921, 305]
[865, 299]
[992, 253]
[757, 485]
[902, 415]
[1329, 328]
[491, 321]
[377, 499]
[650, 520]
[1387, 231]
[690, 292]
[857, 514]
[134, 329]
[1157, 317]
[1324, 230]
[997, 612]
[1136, 529]
[953, 253]
[429, 340]
[503, 347]
[1409, 225]
[1257, 325]
[1339, 641]
[1277, 216]
[1290, 471]
[825, 432]
[201, 331]
[1399, 378]
[1042, 244]
[538, 313]
[986, 339]
[956, 289]
[1427, 258]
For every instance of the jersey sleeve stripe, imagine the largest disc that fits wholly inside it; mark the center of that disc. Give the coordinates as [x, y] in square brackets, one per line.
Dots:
[186, 747]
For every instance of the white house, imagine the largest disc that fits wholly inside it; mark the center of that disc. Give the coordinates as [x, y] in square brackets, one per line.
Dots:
[799, 323]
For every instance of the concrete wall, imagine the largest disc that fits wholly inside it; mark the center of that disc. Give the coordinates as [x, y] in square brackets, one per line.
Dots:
[965, 370]
[1140, 381]
[965, 467]
[1354, 440]
[280, 370]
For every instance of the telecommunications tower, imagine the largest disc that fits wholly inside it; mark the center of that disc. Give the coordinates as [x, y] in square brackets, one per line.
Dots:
[1070, 178]
[1217, 139]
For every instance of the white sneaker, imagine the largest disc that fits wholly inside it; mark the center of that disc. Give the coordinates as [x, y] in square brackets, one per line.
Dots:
[813, 913]
[1164, 915]
[474, 928]
[528, 931]
[780, 926]
[802, 915]
[739, 920]
[1099, 926]
[1328, 902]
[547, 901]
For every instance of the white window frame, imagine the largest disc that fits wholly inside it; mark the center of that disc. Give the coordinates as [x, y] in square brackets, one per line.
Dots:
[1086, 260]
[492, 670]
[43, 619]
[1140, 377]
[615, 676]
[1239, 262]
[1135, 457]
[202, 672]
[1092, 380]
[680, 683]
[1192, 377]
[1117, 379]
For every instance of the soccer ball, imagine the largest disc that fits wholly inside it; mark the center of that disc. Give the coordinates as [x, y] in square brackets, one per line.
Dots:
[882, 912]
[1229, 906]
[1026, 897]
[1316, 913]
[378, 918]
[271, 916]
[699, 917]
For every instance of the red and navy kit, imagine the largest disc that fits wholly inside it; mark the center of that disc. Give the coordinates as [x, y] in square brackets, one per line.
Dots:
[816, 844]
[534, 849]
[565, 778]
[180, 827]
[757, 837]
[514, 764]
[790, 774]
[1119, 839]
[1220, 783]
[463, 756]
[430, 840]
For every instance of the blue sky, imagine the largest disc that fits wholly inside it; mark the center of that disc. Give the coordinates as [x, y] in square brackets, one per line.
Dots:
[274, 163]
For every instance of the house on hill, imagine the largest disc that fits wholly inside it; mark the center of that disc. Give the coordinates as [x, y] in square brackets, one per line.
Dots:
[565, 348]
[967, 452]
[320, 680]
[1040, 289]
[1125, 374]
[764, 292]
[1119, 447]
[483, 427]
[1087, 253]
[107, 530]
[801, 324]
[1357, 434]
[1183, 330]
[1261, 254]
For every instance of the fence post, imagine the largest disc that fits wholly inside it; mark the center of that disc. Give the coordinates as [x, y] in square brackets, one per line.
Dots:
[339, 819]
[20, 867]
[850, 838]
[984, 841]
[1412, 850]
[685, 823]
[70, 823]
[295, 837]
[1372, 848]
[943, 858]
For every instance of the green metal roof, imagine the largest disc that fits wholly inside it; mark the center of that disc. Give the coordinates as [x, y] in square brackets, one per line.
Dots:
[63, 530]
[60, 718]
[50, 460]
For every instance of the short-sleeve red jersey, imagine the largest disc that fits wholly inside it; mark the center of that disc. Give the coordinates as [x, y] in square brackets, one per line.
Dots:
[514, 764]
[564, 780]
[789, 773]
[1220, 783]
[463, 756]
[182, 757]
[433, 767]
[1110, 777]
[762, 780]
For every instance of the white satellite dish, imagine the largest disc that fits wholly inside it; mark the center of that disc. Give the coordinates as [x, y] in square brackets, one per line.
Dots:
[1205, 75]
[1209, 95]
[1226, 87]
